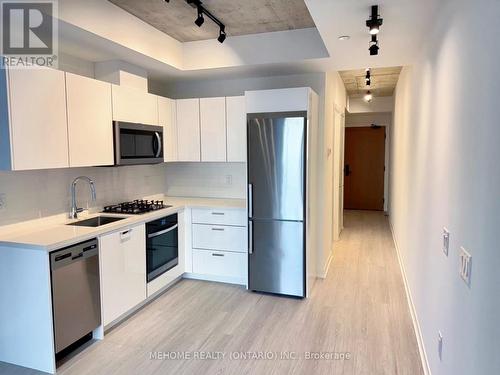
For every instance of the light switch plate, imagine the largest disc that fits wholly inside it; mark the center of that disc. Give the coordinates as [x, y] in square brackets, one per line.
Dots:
[465, 265]
[446, 241]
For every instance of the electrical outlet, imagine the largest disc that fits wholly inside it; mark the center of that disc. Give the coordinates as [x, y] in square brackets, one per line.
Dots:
[446, 241]
[229, 179]
[465, 265]
[440, 345]
[3, 200]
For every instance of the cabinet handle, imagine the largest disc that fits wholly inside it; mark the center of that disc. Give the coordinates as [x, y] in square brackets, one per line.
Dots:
[125, 234]
[217, 255]
[218, 213]
[218, 229]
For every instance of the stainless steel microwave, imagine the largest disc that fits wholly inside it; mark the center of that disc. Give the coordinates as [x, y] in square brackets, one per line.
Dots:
[137, 143]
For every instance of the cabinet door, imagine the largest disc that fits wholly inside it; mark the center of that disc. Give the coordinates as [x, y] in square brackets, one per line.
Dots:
[167, 119]
[188, 129]
[38, 125]
[236, 129]
[132, 105]
[90, 129]
[213, 129]
[123, 271]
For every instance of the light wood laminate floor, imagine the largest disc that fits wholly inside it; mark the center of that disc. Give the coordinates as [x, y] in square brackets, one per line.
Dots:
[360, 309]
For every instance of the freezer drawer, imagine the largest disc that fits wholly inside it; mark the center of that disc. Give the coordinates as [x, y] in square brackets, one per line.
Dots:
[220, 263]
[277, 257]
[220, 237]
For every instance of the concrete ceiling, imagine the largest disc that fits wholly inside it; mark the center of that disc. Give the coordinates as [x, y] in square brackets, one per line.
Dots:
[241, 17]
[383, 81]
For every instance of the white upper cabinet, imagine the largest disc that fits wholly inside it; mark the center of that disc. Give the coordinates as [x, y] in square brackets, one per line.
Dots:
[167, 119]
[236, 123]
[38, 128]
[132, 105]
[188, 129]
[213, 129]
[90, 129]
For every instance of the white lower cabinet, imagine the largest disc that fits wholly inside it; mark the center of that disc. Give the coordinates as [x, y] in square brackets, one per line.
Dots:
[219, 245]
[222, 264]
[122, 258]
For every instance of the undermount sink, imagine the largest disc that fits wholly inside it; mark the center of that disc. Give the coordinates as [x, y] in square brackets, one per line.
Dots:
[96, 221]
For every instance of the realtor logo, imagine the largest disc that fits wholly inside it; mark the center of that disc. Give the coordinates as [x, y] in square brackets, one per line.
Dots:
[29, 31]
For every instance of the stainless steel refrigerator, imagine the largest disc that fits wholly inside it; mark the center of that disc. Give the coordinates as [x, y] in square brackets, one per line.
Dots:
[276, 151]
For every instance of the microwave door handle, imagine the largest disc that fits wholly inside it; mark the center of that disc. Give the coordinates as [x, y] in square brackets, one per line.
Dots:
[152, 235]
[158, 138]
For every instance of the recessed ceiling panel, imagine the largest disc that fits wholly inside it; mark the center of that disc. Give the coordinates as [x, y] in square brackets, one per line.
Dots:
[383, 81]
[241, 17]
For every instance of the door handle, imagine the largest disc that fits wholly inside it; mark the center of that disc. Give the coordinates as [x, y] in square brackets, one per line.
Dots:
[158, 139]
[250, 200]
[250, 237]
[152, 235]
[347, 170]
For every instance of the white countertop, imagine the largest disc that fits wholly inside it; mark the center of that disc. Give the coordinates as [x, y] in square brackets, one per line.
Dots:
[52, 233]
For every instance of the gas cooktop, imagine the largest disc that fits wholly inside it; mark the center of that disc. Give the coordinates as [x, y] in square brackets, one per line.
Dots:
[137, 207]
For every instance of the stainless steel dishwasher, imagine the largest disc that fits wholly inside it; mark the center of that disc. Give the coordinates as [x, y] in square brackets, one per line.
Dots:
[76, 302]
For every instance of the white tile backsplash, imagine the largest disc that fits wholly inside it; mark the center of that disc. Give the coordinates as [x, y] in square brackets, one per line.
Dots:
[32, 194]
[206, 180]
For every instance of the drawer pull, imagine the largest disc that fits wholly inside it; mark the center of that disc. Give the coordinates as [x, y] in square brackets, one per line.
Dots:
[218, 229]
[217, 255]
[218, 213]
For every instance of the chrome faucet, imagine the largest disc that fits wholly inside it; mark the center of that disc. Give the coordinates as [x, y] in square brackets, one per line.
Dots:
[74, 210]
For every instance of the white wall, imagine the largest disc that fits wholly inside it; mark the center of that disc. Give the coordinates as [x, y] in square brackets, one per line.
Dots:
[211, 180]
[445, 172]
[29, 195]
[378, 104]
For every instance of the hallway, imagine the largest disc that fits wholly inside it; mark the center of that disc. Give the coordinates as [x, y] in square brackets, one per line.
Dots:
[359, 309]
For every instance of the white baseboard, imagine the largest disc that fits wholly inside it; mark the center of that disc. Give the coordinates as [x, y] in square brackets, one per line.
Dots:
[324, 272]
[218, 279]
[413, 311]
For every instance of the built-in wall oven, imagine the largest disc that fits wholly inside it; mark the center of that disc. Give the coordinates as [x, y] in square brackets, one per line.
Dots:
[137, 143]
[162, 246]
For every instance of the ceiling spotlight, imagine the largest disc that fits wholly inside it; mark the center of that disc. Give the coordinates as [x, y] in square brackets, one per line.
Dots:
[344, 37]
[374, 46]
[368, 77]
[368, 96]
[199, 21]
[375, 21]
[222, 35]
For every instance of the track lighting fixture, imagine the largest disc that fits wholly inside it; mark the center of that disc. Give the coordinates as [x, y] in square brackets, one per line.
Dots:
[222, 35]
[368, 96]
[374, 46]
[199, 21]
[202, 11]
[375, 21]
[368, 80]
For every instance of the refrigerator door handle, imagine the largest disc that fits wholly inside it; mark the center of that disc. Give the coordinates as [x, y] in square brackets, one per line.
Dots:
[250, 200]
[250, 237]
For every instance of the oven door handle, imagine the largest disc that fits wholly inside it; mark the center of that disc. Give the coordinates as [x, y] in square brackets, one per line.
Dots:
[152, 235]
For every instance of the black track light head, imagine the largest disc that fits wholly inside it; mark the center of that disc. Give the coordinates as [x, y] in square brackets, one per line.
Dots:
[199, 21]
[375, 21]
[374, 46]
[222, 35]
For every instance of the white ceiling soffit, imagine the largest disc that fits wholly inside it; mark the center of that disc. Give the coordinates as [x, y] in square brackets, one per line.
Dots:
[101, 30]
[400, 37]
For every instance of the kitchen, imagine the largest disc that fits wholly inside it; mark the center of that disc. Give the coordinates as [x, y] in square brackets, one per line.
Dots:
[168, 208]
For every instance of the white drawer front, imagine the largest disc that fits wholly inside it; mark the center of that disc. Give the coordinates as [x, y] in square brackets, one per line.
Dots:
[220, 263]
[219, 216]
[220, 237]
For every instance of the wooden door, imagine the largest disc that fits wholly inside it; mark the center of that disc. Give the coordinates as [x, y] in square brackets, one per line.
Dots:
[364, 168]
